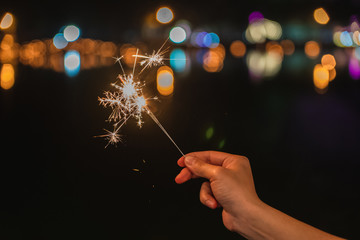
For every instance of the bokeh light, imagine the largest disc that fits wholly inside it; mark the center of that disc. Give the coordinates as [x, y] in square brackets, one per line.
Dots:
[237, 48]
[199, 39]
[213, 59]
[7, 76]
[255, 16]
[59, 41]
[165, 81]
[345, 39]
[164, 15]
[328, 61]
[211, 40]
[354, 68]
[177, 35]
[71, 33]
[321, 76]
[178, 60]
[288, 46]
[6, 21]
[312, 49]
[321, 16]
[72, 63]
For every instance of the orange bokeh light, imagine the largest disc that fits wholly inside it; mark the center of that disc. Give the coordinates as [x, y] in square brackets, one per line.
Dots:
[321, 16]
[312, 49]
[7, 76]
[288, 46]
[321, 76]
[328, 61]
[165, 81]
[237, 48]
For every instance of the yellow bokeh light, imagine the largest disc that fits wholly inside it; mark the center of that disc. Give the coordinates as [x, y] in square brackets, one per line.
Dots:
[164, 15]
[312, 49]
[165, 81]
[332, 74]
[6, 21]
[321, 76]
[7, 76]
[237, 48]
[328, 61]
[321, 16]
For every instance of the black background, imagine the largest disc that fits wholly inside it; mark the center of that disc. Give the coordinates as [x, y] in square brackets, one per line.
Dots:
[59, 182]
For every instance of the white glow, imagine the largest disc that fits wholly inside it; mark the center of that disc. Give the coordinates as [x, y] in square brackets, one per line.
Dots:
[177, 35]
[71, 33]
[164, 15]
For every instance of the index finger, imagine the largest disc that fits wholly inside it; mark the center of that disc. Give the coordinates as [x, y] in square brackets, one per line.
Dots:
[212, 157]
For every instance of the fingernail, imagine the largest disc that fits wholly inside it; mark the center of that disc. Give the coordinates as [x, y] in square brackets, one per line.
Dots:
[189, 160]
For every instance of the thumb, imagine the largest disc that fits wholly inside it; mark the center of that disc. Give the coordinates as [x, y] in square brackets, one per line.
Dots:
[199, 167]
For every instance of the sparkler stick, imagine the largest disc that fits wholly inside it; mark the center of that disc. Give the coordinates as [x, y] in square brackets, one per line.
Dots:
[162, 128]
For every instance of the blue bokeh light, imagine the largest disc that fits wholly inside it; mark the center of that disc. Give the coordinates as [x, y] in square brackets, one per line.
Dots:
[59, 41]
[178, 60]
[72, 63]
[211, 40]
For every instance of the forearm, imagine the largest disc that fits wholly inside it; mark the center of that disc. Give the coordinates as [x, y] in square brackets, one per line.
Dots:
[265, 222]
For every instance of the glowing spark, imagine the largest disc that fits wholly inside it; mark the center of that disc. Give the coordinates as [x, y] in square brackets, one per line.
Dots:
[128, 100]
[112, 137]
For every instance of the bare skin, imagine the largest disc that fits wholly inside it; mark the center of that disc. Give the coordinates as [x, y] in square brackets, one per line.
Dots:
[230, 185]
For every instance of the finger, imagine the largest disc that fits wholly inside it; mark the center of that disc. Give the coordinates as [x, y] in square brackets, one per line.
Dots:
[183, 176]
[213, 157]
[200, 168]
[180, 162]
[207, 197]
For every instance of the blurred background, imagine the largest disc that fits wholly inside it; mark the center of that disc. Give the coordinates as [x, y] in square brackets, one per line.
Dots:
[275, 81]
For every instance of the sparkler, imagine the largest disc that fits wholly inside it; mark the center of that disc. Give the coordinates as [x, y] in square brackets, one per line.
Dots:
[128, 99]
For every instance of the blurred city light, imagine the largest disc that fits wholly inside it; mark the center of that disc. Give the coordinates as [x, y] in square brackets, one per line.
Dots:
[273, 29]
[71, 33]
[255, 16]
[260, 30]
[199, 39]
[6, 21]
[345, 39]
[165, 81]
[213, 59]
[356, 37]
[59, 41]
[288, 46]
[178, 60]
[266, 64]
[7, 76]
[312, 49]
[211, 40]
[237, 48]
[177, 35]
[321, 16]
[164, 15]
[321, 77]
[354, 68]
[72, 63]
[328, 61]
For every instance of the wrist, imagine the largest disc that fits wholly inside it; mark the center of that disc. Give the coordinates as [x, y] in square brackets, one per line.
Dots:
[248, 223]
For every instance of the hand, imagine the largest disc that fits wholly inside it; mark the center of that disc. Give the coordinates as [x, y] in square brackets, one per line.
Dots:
[230, 184]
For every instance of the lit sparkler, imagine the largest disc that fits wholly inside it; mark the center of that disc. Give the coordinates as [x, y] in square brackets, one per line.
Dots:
[154, 59]
[128, 99]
